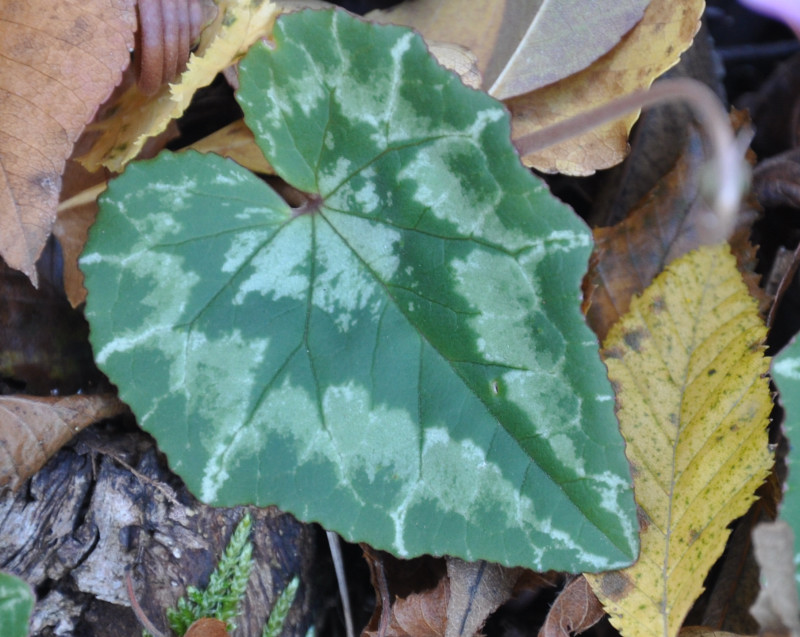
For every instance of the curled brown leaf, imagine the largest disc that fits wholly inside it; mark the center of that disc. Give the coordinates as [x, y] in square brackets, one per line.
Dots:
[33, 428]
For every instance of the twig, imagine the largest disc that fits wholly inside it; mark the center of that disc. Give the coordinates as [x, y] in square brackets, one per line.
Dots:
[730, 171]
[785, 282]
[144, 620]
[338, 565]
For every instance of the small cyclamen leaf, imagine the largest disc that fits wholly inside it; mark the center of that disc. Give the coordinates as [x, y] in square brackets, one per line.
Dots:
[403, 359]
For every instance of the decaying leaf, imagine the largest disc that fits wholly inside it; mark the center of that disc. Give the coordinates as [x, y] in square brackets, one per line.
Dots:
[138, 117]
[520, 46]
[411, 595]
[420, 613]
[651, 47]
[575, 610]
[33, 428]
[477, 589]
[457, 605]
[61, 60]
[672, 220]
[693, 403]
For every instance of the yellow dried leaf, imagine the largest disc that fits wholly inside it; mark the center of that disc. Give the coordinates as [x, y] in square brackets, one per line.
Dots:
[693, 403]
[236, 141]
[652, 46]
[138, 117]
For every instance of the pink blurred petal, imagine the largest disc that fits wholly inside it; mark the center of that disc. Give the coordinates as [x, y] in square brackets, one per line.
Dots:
[787, 11]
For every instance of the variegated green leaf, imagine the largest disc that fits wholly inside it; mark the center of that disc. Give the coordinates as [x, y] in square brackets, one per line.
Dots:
[786, 374]
[402, 358]
[16, 605]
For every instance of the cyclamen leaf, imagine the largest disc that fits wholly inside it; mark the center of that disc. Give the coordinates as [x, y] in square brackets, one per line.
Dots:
[16, 605]
[402, 359]
[786, 374]
[694, 402]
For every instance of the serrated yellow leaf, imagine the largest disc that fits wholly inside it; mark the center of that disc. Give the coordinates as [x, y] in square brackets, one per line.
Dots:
[693, 403]
[137, 117]
[653, 46]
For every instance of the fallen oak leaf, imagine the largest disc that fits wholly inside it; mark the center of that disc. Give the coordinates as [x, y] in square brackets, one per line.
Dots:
[61, 61]
[33, 428]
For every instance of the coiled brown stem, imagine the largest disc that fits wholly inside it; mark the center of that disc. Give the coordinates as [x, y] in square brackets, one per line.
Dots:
[167, 31]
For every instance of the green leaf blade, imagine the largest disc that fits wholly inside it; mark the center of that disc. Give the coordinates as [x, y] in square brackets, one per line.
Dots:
[404, 360]
[786, 374]
[16, 605]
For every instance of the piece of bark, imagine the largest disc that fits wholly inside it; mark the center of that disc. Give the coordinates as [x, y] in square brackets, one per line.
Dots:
[105, 502]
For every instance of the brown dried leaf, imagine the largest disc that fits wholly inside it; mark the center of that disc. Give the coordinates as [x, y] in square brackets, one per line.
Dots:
[61, 60]
[410, 595]
[477, 589]
[672, 220]
[653, 46]
[72, 231]
[421, 613]
[33, 428]
[207, 627]
[576, 609]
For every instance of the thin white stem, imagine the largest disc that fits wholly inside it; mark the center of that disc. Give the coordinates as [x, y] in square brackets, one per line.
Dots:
[338, 565]
[731, 174]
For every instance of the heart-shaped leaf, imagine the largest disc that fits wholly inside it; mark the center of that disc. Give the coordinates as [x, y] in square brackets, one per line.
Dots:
[403, 358]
